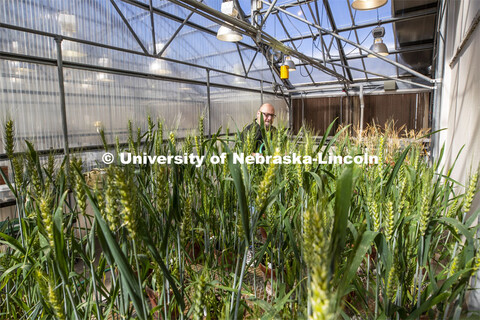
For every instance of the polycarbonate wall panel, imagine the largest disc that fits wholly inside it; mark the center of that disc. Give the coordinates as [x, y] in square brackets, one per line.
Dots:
[102, 57]
[232, 108]
[30, 96]
[237, 81]
[90, 20]
[99, 22]
[114, 100]
[235, 109]
[19, 42]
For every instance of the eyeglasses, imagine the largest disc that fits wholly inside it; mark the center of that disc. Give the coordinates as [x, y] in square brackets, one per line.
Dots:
[271, 115]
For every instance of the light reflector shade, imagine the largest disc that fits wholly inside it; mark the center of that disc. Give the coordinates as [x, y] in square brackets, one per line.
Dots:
[378, 47]
[368, 4]
[229, 35]
[290, 64]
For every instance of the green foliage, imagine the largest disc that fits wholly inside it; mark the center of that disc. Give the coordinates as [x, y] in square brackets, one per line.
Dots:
[318, 241]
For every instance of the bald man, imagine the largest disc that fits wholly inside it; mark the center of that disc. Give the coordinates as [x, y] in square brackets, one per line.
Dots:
[267, 111]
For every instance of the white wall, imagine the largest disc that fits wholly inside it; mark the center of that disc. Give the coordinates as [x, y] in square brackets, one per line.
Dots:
[460, 103]
[460, 99]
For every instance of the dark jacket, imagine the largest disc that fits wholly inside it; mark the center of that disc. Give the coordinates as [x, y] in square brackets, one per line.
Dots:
[259, 139]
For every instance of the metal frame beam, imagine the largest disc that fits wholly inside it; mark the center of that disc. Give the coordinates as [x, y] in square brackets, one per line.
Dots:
[369, 24]
[183, 23]
[251, 31]
[330, 82]
[287, 5]
[333, 34]
[420, 47]
[105, 46]
[339, 44]
[178, 19]
[352, 18]
[129, 26]
[288, 34]
[122, 72]
[153, 28]
[386, 77]
[180, 27]
[362, 56]
[61, 86]
[265, 17]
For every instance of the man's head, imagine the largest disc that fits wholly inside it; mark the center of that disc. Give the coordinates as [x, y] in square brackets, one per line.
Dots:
[267, 111]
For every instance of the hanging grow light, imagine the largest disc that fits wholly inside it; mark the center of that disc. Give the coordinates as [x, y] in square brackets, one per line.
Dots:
[225, 33]
[378, 46]
[368, 4]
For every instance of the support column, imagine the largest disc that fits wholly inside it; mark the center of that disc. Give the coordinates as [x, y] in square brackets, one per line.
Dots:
[61, 85]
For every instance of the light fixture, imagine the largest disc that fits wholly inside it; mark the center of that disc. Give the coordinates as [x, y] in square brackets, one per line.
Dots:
[15, 79]
[289, 63]
[72, 49]
[160, 67]
[104, 77]
[68, 22]
[225, 33]
[159, 47]
[238, 69]
[229, 35]
[20, 67]
[378, 46]
[368, 4]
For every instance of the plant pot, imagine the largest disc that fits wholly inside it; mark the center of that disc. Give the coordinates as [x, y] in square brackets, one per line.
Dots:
[267, 272]
[5, 171]
[194, 251]
[225, 258]
[153, 297]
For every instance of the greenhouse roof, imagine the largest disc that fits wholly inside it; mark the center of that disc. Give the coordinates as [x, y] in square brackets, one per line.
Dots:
[176, 40]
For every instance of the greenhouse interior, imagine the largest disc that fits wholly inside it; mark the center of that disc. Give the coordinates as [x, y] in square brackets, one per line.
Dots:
[239, 159]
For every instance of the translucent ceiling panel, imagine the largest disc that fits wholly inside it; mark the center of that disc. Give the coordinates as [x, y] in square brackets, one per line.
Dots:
[341, 12]
[347, 48]
[379, 66]
[202, 21]
[240, 81]
[259, 68]
[320, 46]
[262, 74]
[164, 29]
[204, 49]
[215, 4]
[139, 20]
[274, 28]
[96, 56]
[92, 20]
[30, 96]
[294, 26]
[357, 63]
[364, 37]
[303, 73]
[167, 6]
